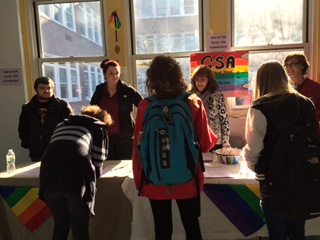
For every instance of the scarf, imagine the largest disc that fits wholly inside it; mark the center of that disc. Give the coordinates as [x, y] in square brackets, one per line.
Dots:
[205, 97]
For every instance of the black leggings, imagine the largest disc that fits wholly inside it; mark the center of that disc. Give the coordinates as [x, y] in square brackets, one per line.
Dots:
[120, 148]
[189, 211]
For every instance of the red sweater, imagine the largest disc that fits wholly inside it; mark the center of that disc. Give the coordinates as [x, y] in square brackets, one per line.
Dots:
[207, 140]
[311, 89]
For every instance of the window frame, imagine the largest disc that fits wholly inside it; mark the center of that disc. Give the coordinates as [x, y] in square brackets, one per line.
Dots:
[241, 111]
[42, 61]
[203, 17]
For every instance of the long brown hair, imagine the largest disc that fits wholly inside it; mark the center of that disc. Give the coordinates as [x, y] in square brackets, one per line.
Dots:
[204, 71]
[165, 78]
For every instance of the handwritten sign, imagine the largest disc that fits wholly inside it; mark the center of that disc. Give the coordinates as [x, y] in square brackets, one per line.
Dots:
[231, 70]
[219, 42]
[10, 76]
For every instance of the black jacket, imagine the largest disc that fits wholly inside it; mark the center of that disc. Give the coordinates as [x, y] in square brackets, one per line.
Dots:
[73, 160]
[128, 97]
[32, 133]
[293, 108]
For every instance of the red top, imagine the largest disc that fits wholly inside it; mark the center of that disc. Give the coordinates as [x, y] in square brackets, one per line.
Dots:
[311, 89]
[207, 140]
[111, 105]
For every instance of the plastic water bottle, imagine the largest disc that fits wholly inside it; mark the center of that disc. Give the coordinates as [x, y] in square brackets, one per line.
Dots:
[11, 161]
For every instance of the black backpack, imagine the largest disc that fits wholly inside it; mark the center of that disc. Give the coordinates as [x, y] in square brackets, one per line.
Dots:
[293, 179]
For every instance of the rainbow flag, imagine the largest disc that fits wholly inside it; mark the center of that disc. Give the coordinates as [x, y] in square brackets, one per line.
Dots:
[239, 203]
[114, 21]
[26, 205]
[231, 70]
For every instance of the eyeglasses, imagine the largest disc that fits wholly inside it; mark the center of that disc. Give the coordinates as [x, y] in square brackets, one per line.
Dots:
[287, 65]
[201, 79]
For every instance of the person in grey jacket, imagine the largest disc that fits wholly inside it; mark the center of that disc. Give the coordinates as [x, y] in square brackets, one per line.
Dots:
[118, 98]
[40, 116]
[69, 168]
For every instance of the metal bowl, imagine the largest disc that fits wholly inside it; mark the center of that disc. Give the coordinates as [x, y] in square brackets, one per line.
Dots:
[230, 156]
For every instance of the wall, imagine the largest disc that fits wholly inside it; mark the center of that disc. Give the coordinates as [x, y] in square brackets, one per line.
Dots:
[117, 45]
[11, 97]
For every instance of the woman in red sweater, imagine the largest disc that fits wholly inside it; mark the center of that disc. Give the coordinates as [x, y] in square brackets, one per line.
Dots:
[165, 79]
[296, 66]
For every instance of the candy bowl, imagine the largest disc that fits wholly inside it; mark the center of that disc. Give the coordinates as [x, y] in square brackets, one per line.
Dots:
[229, 156]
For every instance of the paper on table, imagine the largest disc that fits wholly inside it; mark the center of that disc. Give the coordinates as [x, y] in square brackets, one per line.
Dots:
[30, 173]
[119, 170]
[32, 170]
[207, 157]
[221, 171]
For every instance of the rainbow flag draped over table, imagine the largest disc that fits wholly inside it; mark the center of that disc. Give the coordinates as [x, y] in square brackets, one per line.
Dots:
[231, 70]
[239, 203]
[26, 205]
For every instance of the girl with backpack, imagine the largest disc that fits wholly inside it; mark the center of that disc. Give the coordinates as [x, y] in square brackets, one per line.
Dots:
[276, 106]
[165, 80]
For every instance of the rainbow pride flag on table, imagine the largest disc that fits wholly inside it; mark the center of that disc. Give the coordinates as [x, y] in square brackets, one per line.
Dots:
[26, 205]
[239, 203]
[231, 70]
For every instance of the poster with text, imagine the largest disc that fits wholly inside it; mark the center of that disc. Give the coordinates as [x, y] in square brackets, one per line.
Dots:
[231, 70]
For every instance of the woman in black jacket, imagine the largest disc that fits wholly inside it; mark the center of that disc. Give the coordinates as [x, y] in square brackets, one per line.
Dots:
[118, 98]
[276, 107]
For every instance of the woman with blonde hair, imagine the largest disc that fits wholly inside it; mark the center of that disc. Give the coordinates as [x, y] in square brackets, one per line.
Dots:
[274, 99]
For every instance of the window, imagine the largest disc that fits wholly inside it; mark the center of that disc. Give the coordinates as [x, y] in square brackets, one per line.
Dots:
[172, 27]
[60, 13]
[90, 23]
[143, 65]
[269, 30]
[70, 39]
[268, 22]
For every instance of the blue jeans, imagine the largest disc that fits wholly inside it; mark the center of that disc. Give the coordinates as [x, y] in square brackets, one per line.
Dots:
[68, 211]
[280, 228]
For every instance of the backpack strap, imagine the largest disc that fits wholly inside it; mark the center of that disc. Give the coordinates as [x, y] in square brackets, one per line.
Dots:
[151, 98]
[184, 96]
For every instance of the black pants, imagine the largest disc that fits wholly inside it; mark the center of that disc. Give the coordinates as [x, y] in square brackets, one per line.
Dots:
[120, 148]
[189, 211]
[68, 211]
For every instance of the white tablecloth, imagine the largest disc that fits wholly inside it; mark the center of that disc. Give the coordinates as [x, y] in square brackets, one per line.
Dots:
[112, 208]
[214, 224]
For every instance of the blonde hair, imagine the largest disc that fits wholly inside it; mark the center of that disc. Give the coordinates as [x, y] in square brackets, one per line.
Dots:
[271, 78]
[98, 113]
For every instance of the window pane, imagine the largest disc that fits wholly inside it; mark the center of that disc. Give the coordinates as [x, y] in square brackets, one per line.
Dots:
[63, 83]
[74, 30]
[255, 60]
[267, 22]
[143, 65]
[74, 81]
[168, 26]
